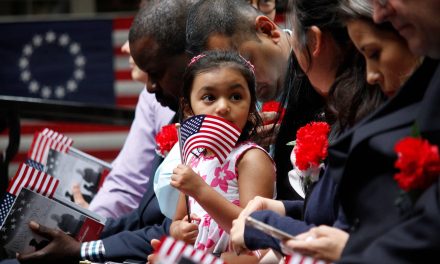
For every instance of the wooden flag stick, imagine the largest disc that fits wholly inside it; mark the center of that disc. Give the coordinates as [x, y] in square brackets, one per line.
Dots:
[179, 136]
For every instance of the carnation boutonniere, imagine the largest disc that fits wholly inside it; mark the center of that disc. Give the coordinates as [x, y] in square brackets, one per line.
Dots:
[165, 139]
[418, 163]
[310, 151]
[273, 106]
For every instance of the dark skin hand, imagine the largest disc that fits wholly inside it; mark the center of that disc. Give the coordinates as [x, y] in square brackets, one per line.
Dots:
[62, 248]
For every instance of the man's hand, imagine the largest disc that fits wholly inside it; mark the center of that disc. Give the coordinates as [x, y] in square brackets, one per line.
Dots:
[152, 257]
[323, 242]
[61, 249]
[78, 197]
[269, 131]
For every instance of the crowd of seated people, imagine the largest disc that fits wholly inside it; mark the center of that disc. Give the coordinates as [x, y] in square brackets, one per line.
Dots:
[360, 84]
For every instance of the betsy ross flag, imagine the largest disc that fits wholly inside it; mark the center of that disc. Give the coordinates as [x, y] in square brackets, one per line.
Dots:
[101, 141]
[176, 251]
[209, 132]
[45, 140]
[33, 179]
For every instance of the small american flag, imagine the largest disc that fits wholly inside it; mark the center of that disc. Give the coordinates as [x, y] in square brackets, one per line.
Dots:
[176, 251]
[35, 165]
[34, 180]
[210, 132]
[5, 206]
[298, 258]
[45, 140]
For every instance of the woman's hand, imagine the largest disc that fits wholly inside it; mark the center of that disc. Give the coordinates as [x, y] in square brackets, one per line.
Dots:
[260, 203]
[186, 180]
[321, 242]
[184, 230]
[237, 231]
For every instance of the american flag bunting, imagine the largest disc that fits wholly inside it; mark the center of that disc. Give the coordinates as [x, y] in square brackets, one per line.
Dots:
[209, 132]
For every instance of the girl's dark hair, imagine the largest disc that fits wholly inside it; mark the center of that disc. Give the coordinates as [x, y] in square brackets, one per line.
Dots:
[304, 105]
[216, 59]
[351, 98]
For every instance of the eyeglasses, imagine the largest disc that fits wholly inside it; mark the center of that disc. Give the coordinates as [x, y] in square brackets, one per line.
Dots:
[265, 6]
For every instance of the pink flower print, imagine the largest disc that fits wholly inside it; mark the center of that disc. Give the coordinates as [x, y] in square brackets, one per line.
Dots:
[201, 246]
[206, 220]
[236, 202]
[194, 162]
[222, 175]
[204, 177]
[210, 243]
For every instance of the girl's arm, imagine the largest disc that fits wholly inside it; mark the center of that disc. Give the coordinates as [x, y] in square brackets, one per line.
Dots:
[181, 228]
[256, 177]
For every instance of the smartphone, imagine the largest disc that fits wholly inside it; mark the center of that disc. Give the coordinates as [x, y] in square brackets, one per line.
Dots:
[268, 229]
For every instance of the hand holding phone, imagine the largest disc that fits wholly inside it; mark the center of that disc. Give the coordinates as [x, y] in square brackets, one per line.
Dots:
[268, 229]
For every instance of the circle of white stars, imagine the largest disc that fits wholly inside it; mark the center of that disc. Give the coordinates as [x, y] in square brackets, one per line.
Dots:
[47, 91]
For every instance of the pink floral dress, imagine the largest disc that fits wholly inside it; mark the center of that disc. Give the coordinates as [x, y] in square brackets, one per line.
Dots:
[224, 179]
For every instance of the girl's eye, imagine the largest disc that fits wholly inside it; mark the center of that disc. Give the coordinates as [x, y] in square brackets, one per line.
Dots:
[372, 54]
[236, 97]
[208, 98]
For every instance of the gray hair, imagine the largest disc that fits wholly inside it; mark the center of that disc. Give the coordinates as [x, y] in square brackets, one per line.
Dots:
[356, 9]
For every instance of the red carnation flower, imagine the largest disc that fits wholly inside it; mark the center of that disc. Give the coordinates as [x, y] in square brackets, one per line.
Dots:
[273, 106]
[418, 162]
[311, 145]
[165, 139]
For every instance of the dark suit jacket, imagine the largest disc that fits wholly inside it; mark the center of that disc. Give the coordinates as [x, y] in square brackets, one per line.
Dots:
[322, 209]
[362, 162]
[129, 237]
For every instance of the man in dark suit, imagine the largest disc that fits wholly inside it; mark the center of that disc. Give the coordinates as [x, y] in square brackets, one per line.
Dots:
[388, 227]
[157, 42]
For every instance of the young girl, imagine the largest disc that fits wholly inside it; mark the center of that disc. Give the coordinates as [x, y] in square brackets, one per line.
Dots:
[221, 84]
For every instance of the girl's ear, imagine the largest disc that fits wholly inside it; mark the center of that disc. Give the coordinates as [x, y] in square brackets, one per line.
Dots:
[315, 40]
[264, 25]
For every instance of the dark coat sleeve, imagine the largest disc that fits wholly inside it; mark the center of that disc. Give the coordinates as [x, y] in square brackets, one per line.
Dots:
[134, 244]
[414, 240]
[321, 209]
[129, 237]
[256, 239]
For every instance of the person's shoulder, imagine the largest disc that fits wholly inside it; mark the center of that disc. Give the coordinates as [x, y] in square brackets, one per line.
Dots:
[252, 153]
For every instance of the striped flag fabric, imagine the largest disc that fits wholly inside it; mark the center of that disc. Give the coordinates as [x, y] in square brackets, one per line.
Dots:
[33, 179]
[99, 140]
[5, 206]
[35, 165]
[210, 132]
[298, 258]
[176, 251]
[45, 140]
